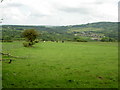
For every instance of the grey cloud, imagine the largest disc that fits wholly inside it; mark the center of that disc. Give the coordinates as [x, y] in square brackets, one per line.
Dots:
[60, 13]
[36, 14]
[33, 14]
[15, 5]
[99, 2]
[76, 10]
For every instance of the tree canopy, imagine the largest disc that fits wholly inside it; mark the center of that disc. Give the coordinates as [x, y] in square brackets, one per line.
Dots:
[30, 34]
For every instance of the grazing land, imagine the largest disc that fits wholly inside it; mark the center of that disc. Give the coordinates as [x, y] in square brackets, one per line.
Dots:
[61, 65]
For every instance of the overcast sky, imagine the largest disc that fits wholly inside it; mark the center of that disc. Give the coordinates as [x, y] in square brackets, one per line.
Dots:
[58, 12]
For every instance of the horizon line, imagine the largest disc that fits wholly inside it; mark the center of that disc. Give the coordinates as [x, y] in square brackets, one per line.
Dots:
[60, 25]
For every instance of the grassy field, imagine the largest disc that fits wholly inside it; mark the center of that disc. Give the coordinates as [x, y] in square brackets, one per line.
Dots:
[61, 65]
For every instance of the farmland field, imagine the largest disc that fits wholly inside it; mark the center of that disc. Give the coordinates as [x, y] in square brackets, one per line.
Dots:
[61, 65]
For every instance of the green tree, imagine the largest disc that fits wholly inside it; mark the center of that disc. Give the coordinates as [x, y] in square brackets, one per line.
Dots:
[30, 35]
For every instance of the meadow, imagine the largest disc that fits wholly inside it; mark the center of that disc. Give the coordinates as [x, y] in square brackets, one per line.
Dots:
[61, 65]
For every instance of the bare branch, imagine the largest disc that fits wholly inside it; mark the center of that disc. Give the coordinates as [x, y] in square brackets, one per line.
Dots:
[1, 1]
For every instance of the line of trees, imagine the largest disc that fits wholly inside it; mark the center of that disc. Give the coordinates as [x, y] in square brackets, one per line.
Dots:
[31, 36]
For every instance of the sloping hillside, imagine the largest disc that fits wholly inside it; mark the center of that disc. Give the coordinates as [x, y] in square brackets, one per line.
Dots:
[90, 30]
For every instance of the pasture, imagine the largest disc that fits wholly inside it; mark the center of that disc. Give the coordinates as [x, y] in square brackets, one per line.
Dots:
[61, 65]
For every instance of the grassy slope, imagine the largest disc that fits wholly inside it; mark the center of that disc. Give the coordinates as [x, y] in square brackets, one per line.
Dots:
[66, 65]
[109, 29]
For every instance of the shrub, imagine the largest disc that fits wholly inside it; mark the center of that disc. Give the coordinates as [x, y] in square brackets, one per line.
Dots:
[111, 40]
[78, 39]
[107, 39]
[36, 41]
[7, 41]
[81, 40]
[31, 43]
[26, 44]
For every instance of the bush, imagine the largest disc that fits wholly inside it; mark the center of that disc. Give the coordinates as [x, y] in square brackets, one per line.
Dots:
[107, 39]
[36, 41]
[26, 44]
[78, 39]
[7, 41]
[111, 40]
[31, 43]
[81, 40]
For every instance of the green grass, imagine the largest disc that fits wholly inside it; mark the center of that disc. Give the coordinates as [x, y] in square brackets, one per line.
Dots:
[62, 65]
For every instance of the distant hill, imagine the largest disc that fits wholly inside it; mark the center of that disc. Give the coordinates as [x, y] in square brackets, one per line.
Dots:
[90, 30]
